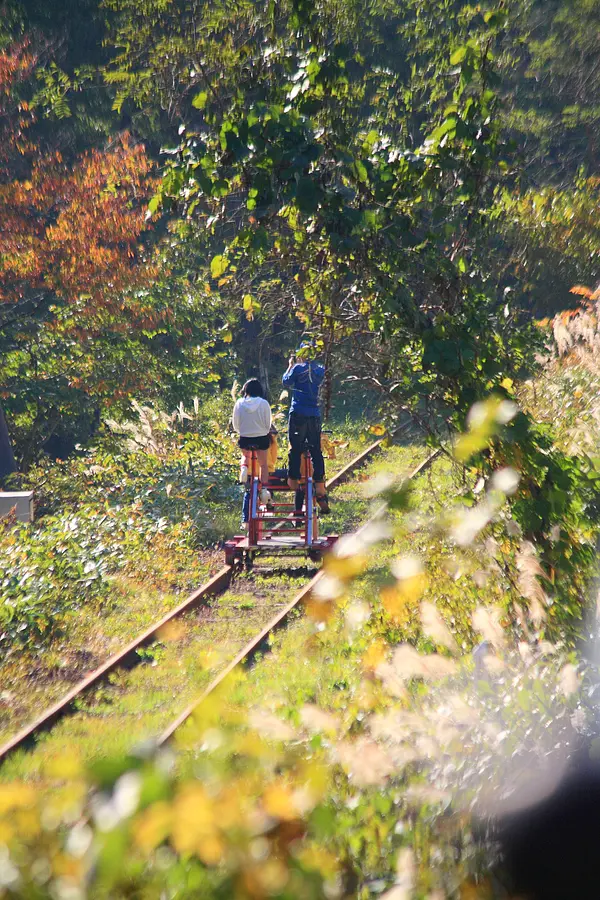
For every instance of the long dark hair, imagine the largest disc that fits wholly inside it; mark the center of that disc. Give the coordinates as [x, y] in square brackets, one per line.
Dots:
[253, 388]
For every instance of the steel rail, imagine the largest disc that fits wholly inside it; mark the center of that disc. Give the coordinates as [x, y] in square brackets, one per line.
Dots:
[260, 641]
[128, 656]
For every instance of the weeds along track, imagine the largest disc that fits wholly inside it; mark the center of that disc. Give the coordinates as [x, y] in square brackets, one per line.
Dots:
[259, 643]
[177, 672]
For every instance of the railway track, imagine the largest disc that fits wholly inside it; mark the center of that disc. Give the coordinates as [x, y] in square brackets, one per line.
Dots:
[129, 656]
[260, 641]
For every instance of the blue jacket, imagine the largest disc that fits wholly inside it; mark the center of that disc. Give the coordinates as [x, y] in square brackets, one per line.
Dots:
[305, 380]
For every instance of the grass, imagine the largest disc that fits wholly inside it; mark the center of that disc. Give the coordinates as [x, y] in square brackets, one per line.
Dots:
[137, 704]
[313, 664]
[156, 577]
[322, 684]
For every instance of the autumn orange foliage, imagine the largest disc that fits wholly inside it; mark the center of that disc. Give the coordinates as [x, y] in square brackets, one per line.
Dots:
[69, 230]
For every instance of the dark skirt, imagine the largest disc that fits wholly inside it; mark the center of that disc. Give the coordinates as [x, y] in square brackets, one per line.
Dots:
[263, 442]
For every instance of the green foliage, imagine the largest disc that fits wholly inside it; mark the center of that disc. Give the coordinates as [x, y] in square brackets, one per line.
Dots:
[361, 230]
[397, 180]
[106, 511]
[57, 391]
[349, 759]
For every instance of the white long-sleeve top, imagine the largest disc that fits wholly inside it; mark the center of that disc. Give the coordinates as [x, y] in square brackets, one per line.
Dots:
[251, 417]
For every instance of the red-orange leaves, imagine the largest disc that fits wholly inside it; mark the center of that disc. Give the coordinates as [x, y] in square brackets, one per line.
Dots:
[74, 231]
[69, 229]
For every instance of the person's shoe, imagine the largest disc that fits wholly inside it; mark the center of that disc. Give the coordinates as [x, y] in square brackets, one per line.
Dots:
[265, 496]
[323, 504]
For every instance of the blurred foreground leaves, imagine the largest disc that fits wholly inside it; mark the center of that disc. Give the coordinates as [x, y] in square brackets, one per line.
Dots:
[326, 798]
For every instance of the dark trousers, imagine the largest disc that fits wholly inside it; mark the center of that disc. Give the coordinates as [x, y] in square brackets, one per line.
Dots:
[303, 430]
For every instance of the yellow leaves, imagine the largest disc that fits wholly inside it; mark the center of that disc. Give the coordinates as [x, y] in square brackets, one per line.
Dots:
[279, 803]
[328, 447]
[346, 562]
[410, 576]
[153, 827]
[411, 582]
[346, 568]
[218, 265]
[395, 603]
[64, 767]
[250, 306]
[16, 795]
[211, 849]
[254, 746]
[315, 780]
[232, 803]
[265, 879]
[377, 430]
[320, 610]
[320, 860]
[6, 832]
[484, 419]
[374, 655]
[195, 828]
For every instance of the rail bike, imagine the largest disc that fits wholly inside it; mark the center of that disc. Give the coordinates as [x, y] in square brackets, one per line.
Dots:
[277, 526]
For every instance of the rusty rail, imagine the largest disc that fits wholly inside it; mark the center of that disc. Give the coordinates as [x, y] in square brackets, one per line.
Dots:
[128, 656]
[260, 641]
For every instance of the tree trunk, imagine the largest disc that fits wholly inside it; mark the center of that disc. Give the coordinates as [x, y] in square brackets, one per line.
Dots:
[263, 369]
[327, 399]
[7, 459]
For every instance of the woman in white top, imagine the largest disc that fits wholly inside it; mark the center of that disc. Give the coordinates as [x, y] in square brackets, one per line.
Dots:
[252, 420]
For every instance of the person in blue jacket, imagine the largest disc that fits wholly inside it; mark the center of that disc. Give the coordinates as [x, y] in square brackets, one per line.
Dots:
[304, 378]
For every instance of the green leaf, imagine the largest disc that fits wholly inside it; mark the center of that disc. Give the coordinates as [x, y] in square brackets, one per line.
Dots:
[200, 100]
[154, 204]
[496, 18]
[458, 56]
[307, 195]
[251, 306]
[360, 171]
[218, 265]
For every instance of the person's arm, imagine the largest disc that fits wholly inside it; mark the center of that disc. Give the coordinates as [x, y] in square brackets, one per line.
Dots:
[235, 417]
[288, 376]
